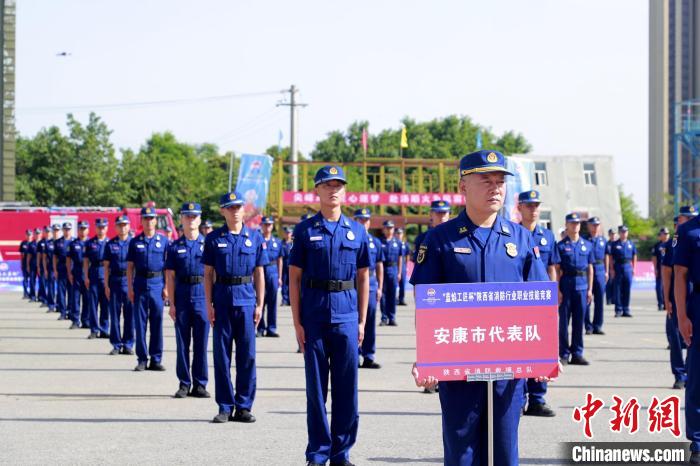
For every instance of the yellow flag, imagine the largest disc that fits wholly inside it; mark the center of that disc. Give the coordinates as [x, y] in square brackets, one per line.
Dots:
[404, 138]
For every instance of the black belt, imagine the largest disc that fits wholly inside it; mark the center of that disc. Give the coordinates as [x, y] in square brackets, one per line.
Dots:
[599, 262]
[96, 266]
[149, 274]
[390, 264]
[622, 262]
[118, 273]
[234, 280]
[576, 273]
[331, 285]
[190, 279]
[696, 288]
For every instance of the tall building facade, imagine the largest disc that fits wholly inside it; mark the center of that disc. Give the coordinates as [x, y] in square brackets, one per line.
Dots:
[7, 91]
[674, 77]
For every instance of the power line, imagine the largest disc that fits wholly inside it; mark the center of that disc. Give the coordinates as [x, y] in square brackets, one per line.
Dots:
[151, 103]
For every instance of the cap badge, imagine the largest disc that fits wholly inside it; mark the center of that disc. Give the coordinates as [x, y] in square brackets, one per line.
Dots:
[492, 158]
[333, 171]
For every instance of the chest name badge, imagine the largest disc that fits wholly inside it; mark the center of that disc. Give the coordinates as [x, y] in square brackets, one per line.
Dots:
[182, 251]
[543, 242]
[350, 235]
[315, 238]
[140, 246]
[629, 246]
[511, 249]
[221, 245]
[248, 243]
[463, 250]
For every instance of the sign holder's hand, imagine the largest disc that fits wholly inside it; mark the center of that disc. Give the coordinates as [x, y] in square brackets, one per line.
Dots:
[424, 382]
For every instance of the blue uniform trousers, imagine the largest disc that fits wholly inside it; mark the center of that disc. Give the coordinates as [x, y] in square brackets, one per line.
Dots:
[32, 283]
[148, 309]
[659, 289]
[119, 305]
[79, 294]
[464, 422]
[610, 293]
[692, 385]
[368, 347]
[402, 285]
[676, 349]
[41, 288]
[285, 285]
[51, 291]
[25, 282]
[572, 307]
[598, 296]
[270, 302]
[331, 349]
[99, 322]
[536, 392]
[623, 287]
[63, 302]
[191, 325]
[234, 323]
[388, 304]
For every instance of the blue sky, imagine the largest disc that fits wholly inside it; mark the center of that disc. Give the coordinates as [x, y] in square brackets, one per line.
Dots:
[571, 76]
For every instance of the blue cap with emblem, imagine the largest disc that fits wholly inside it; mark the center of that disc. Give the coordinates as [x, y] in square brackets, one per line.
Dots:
[329, 173]
[399, 230]
[288, 229]
[55, 227]
[573, 217]
[229, 199]
[67, 225]
[101, 222]
[28, 232]
[191, 208]
[388, 224]
[483, 161]
[362, 213]
[122, 220]
[47, 229]
[663, 230]
[267, 221]
[688, 211]
[440, 206]
[148, 212]
[622, 228]
[611, 231]
[83, 224]
[207, 223]
[37, 230]
[594, 221]
[529, 197]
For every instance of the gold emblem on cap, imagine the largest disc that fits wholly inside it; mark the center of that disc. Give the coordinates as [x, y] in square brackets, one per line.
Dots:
[191, 206]
[232, 197]
[492, 157]
[511, 249]
[333, 171]
[691, 208]
[533, 194]
[441, 203]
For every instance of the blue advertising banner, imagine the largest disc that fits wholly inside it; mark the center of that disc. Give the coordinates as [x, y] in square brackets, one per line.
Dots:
[524, 170]
[253, 184]
[10, 276]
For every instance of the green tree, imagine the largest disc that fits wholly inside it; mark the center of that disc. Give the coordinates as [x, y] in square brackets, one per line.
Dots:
[643, 230]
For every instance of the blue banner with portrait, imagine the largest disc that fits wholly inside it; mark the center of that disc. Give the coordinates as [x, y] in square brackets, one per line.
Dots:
[253, 184]
[524, 172]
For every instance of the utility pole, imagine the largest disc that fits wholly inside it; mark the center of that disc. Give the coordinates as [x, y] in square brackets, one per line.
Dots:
[293, 124]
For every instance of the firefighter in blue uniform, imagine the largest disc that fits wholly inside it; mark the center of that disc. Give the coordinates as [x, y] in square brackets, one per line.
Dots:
[235, 255]
[478, 246]
[185, 281]
[686, 266]
[624, 257]
[675, 340]
[405, 253]
[95, 282]
[145, 265]
[76, 277]
[206, 227]
[575, 290]
[439, 213]
[117, 290]
[391, 249]
[286, 251]
[31, 265]
[376, 279]
[657, 257]
[529, 207]
[610, 289]
[600, 276]
[273, 279]
[41, 272]
[329, 290]
[23, 262]
[48, 268]
[64, 291]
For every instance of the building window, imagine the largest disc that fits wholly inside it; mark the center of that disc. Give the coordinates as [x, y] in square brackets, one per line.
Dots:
[545, 220]
[589, 176]
[541, 174]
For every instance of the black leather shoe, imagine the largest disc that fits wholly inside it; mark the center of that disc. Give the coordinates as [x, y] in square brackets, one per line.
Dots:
[182, 392]
[598, 332]
[564, 361]
[140, 367]
[678, 385]
[260, 333]
[626, 315]
[539, 409]
[128, 351]
[370, 364]
[200, 392]
[311, 463]
[393, 324]
[578, 361]
[103, 335]
[402, 304]
[92, 336]
[84, 326]
[694, 457]
[272, 334]
[383, 323]
[155, 366]
[221, 418]
[342, 463]
[243, 415]
[588, 332]
[73, 326]
[114, 351]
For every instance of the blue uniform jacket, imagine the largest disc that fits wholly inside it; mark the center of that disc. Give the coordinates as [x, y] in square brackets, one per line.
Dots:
[547, 245]
[392, 251]
[326, 251]
[76, 251]
[686, 251]
[95, 251]
[416, 245]
[40, 249]
[61, 250]
[575, 258]
[274, 251]
[600, 248]
[622, 253]
[115, 253]
[50, 247]
[234, 256]
[148, 255]
[376, 254]
[31, 250]
[184, 257]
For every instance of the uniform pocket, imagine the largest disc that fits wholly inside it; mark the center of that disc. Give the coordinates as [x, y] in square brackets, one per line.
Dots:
[348, 251]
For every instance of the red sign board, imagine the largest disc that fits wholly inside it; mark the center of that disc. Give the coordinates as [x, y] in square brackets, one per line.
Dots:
[393, 199]
[476, 329]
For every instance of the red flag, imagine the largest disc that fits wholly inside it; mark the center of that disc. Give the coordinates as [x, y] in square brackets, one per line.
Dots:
[364, 140]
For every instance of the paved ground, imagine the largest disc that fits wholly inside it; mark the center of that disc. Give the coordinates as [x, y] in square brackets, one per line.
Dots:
[65, 401]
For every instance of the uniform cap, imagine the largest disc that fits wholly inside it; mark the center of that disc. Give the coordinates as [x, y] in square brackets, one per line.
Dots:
[122, 220]
[388, 224]
[594, 221]
[229, 199]
[483, 161]
[191, 208]
[55, 227]
[83, 224]
[47, 228]
[363, 213]
[101, 222]
[267, 221]
[28, 232]
[207, 224]
[611, 231]
[529, 197]
[622, 228]
[37, 231]
[663, 230]
[67, 225]
[573, 217]
[399, 230]
[440, 206]
[329, 173]
[148, 212]
[688, 211]
[288, 229]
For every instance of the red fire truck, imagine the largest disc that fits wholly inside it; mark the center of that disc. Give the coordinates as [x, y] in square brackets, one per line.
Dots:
[15, 219]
